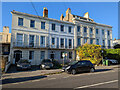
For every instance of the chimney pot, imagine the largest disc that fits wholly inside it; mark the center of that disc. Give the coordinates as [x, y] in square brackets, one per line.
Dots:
[45, 12]
[61, 17]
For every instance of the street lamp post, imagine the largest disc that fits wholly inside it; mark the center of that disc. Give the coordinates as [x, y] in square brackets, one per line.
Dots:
[63, 55]
[102, 57]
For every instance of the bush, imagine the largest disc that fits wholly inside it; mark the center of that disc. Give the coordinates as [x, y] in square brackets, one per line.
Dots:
[90, 52]
[112, 54]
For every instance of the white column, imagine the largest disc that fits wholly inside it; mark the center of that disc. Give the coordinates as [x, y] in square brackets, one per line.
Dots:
[59, 43]
[35, 41]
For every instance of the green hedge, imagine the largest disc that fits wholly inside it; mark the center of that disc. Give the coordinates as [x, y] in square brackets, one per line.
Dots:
[112, 54]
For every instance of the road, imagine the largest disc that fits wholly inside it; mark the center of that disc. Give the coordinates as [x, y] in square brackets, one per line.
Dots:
[99, 79]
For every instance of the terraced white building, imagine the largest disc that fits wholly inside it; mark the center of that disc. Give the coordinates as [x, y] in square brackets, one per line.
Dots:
[35, 37]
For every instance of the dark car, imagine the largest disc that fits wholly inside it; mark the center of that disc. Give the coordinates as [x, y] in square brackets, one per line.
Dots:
[112, 61]
[23, 65]
[79, 66]
[46, 64]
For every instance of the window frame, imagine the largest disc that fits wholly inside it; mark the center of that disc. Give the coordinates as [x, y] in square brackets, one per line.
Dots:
[85, 29]
[78, 44]
[70, 55]
[1, 37]
[42, 25]
[30, 55]
[103, 42]
[18, 40]
[90, 41]
[78, 29]
[90, 30]
[62, 28]
[20, 23]
[42, 40]
[108, 33]
[53, 39]
[70, 29]
[97, 42]
[103, 32]
[53, 28]
[62, 44]
[97, 32]
[70, 43]
[31, 42]
[32, 22]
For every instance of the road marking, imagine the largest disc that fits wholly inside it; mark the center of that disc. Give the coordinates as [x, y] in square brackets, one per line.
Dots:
[97, 84]
[51, 78]
[55, 78]
[94, 73]
[66, 77]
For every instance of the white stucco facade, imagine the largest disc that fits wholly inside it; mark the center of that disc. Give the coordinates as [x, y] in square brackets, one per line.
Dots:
[35, 43]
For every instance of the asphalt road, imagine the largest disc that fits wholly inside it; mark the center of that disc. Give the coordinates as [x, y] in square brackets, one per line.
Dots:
[98, 79]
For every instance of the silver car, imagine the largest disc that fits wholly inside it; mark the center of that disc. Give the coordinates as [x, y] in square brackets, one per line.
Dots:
[46, 64]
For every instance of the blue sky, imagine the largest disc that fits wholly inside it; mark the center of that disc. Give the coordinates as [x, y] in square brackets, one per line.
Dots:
[101, 12]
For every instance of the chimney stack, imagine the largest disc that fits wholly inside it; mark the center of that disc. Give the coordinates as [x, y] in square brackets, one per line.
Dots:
[61, 17]
[86, 15]
[68, 11]
[45, 12]
[6, 29]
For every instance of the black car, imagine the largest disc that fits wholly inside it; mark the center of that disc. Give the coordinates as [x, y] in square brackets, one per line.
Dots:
[79, 66]
[23, 64]
[46, 64]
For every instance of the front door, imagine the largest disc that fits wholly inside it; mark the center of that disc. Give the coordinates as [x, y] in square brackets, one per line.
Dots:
[17, 56]
[52, 56]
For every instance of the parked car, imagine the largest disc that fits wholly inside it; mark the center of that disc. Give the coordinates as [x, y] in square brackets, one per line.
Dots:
[23, 64]
[112, 61]
[79, 66]
[46, 64]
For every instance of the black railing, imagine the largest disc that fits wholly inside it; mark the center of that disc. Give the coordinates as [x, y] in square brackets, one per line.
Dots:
[37, 45]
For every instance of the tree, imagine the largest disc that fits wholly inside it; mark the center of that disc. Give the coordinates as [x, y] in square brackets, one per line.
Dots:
[91, 52]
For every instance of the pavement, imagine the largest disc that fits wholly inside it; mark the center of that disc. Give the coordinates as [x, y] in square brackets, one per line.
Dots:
[103, 77]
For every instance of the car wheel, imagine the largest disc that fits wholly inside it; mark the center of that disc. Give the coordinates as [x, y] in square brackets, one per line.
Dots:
[92, 70]
[73, 71]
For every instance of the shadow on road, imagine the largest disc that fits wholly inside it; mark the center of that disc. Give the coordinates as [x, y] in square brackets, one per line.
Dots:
[97, 70]
[101, 70]
[21, 79]
[13, 69]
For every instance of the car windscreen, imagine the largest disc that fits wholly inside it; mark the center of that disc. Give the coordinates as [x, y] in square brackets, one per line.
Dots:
[47, 60]
[24, 61]
[73, 62]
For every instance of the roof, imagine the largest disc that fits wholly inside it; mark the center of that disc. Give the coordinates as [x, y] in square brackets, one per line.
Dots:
[93, 22]
[40, 17]
[90, 21]
[51, 19]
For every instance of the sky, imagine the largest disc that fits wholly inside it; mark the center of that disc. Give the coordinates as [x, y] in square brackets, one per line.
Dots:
[101, 12]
